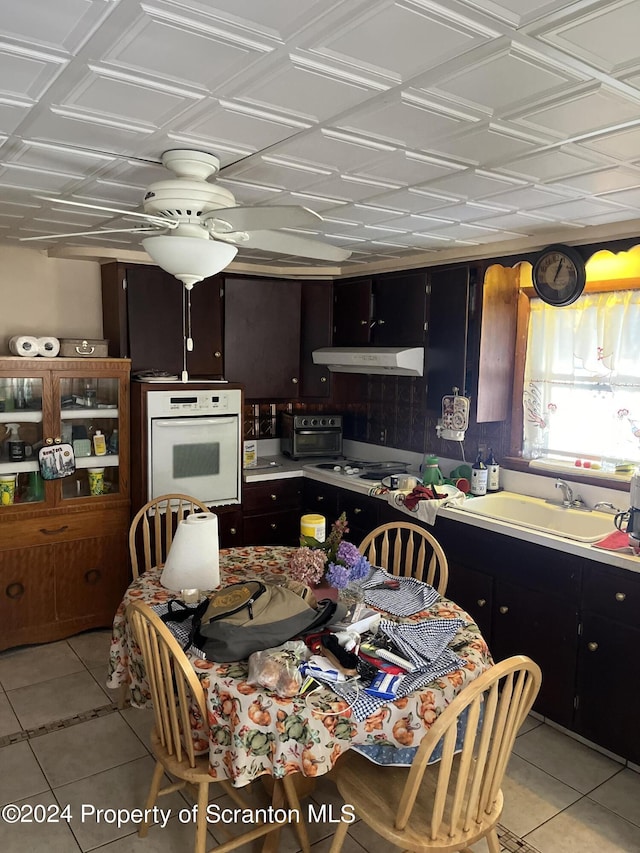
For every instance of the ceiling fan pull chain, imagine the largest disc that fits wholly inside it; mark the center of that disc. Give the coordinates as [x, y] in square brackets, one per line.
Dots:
[185, 375]
[189, 338]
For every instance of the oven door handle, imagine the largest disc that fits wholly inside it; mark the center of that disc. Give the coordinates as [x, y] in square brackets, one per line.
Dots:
[194, 421]
[317, 431]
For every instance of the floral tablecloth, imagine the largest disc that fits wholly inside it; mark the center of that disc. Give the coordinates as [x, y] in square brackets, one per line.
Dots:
[255, 732]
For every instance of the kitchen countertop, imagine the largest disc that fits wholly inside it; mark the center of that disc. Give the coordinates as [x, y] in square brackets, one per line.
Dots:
[281, 467]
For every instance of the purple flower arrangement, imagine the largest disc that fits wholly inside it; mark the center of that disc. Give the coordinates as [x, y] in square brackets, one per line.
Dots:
[339, 561]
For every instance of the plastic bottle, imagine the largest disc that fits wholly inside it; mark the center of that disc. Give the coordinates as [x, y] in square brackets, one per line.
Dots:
[15, 445]
[113, 442]
[99, 443]
[479, 476]
[493, 472]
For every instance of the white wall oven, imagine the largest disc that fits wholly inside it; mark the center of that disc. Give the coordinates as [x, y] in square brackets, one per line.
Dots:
[194, 440]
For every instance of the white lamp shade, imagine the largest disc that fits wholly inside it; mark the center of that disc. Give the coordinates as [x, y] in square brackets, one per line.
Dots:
[193, 561]
[190, 259]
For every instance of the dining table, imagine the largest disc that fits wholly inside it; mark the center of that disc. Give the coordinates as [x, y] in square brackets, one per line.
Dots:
[254, 732]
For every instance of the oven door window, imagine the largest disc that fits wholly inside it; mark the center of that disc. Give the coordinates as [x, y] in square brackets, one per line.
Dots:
[197, 456]
[318, 442]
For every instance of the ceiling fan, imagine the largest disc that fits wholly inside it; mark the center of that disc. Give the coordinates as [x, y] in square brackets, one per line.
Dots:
[199, 225]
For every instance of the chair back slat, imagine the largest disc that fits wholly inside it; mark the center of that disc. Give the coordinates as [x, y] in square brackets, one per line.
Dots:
[486, 715]
[411, 546]
[152, 529]
[174, 686]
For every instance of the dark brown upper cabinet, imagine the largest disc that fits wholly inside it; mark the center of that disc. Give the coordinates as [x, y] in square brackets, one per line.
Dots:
[384, 310]
[262, 336]
[142, 309]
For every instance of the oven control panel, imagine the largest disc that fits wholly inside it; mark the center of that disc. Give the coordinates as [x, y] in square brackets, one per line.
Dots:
[209, 402]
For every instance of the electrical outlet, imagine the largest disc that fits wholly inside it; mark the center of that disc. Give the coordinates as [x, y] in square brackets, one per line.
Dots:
[383, 436]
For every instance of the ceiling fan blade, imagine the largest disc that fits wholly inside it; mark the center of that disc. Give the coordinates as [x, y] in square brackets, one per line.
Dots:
[259, 218]
[292, 244]
[141, 230]
[160, 220]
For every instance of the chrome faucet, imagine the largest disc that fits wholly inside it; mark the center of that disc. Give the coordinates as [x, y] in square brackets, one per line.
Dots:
[608, 505]
[567, 492]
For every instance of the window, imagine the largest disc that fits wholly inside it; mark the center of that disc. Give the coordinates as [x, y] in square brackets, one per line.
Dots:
[581, 385]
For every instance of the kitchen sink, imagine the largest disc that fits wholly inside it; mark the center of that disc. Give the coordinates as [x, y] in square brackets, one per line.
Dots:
[579, 524]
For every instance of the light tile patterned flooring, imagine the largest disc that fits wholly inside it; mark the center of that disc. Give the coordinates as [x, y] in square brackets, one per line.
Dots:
[62, 740]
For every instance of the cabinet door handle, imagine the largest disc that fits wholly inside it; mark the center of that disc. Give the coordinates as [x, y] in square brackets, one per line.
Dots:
[593, 647]
[15, 590]
[273, 525]
[295, 380]
[482, 602]
[620, 596]
[503, 609]
[381, 322]
[217, 354]
[274, 497]
[319, 498]
[92, 576]
[323, 379]
[364, 322]
[233, 531]
[356, 510]
[53, 532]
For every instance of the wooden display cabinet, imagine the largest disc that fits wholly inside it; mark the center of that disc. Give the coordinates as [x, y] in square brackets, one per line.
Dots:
[63, 546]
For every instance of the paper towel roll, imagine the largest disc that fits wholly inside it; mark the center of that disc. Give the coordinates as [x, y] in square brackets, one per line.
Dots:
[25, 345]
[193, 561]
[49, 347]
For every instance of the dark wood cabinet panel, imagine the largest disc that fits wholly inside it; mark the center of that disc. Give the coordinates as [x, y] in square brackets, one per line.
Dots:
[91, 577]
[614, 593]
[230, 527]
[399, 309]
[27, 602]
[545, 628]
[142, 310]
[262, 336]
[362, 514]
[316, 332]
[447, 337]
[473, 591]
[320, 498]
[272, 512]
[605, 663]
[352, 312]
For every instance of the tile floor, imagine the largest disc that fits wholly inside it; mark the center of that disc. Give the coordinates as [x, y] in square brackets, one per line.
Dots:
[63, 741]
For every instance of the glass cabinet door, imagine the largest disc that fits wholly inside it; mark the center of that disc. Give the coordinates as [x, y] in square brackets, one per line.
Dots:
[89, 422]
[21, 435]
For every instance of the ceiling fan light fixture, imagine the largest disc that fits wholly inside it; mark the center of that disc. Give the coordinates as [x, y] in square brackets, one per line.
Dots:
[189, 259]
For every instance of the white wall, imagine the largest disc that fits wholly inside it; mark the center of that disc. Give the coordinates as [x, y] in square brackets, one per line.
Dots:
[48, 296]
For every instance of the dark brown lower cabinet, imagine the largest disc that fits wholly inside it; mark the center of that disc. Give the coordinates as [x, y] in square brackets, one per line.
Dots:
[473, 591]
[272, 512]
[544, 627]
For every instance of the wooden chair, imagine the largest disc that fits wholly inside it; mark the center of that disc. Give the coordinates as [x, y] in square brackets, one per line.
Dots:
[176, 692]
[451, 804]
[403, 549]
[156, 524]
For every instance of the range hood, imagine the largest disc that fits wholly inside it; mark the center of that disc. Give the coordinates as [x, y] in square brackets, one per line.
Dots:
[393, 361]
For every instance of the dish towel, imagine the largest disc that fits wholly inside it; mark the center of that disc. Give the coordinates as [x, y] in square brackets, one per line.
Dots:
[616, 541]
[426, 510]
[412, 596]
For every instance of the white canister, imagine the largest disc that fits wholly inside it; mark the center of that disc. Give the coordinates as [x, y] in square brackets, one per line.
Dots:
[314, 525]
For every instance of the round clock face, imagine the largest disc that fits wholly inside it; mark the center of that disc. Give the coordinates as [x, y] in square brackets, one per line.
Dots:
[559, 275]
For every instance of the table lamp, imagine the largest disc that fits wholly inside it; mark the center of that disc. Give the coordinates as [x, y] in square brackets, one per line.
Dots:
[193, 561]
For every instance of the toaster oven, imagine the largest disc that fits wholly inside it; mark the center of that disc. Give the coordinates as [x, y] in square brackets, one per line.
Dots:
[308, 436]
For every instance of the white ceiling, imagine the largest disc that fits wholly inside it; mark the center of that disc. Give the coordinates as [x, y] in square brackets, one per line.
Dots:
[421, 131]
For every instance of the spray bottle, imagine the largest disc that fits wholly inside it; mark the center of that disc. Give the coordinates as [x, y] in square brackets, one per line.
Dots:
[15, 446]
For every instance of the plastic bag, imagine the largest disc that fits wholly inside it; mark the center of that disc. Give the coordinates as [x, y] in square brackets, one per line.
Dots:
[277, 668]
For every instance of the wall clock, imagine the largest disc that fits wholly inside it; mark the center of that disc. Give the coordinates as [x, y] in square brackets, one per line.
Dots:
[559, 275]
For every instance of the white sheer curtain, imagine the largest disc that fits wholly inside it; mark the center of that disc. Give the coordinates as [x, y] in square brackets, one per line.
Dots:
[582, 378]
